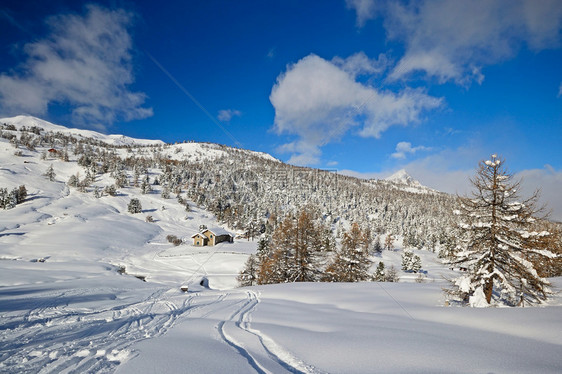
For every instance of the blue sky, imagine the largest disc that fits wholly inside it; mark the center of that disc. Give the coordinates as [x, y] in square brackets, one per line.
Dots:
[359, 86]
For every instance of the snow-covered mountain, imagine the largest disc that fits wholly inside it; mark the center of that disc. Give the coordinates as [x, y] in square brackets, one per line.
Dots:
[72, 256]
[402, 177]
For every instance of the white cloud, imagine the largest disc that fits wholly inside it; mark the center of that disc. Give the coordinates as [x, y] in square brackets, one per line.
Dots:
[365, 9]
[85, 62]
[548, 181]
[226, 115]
[452, 40]
[319, 102]
[359, 64]
[404, 148]
[560, 90]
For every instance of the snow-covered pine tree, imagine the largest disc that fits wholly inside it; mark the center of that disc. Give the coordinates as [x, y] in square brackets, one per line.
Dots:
[411, 262]
[50, 173]
[379, 273]
[249, 275]
[377, 246]
[351, 262]
[497, 241]
[134, 206]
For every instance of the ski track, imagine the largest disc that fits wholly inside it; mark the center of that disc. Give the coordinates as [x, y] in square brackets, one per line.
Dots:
[58, 335]
[261, 352]
[54, 337]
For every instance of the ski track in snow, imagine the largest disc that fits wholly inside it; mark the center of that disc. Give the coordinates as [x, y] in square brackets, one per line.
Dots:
[261, 352]
[54, 337]
[59, 335]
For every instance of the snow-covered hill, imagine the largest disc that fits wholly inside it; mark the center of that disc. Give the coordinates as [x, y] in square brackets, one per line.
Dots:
[71, 298]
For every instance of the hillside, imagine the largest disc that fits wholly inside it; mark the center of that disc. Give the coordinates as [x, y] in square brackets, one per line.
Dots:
[72, 261]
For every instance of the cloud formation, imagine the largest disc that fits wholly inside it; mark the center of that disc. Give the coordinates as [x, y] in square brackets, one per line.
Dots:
[365, 9]
[225, 115]
[453, 40]
[404, 148]
[85, 62]
[319, 101]
[359, 64]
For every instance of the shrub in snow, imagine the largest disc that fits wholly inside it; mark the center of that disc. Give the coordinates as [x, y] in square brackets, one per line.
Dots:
[174, 240]
[499, 237]
[111, 190]
[134, 206]
[389, 242]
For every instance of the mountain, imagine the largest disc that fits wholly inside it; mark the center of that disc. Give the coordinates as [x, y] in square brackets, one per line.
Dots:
[402, 177]
[88, 286]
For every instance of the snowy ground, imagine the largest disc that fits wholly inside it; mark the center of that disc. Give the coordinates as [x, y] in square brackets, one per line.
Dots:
[65, 308]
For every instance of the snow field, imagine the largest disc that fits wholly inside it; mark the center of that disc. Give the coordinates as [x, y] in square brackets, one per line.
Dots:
[65, 308]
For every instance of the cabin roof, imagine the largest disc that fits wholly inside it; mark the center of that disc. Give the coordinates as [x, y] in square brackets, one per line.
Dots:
[217, 231]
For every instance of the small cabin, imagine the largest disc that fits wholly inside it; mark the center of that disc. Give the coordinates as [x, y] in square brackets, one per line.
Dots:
[211, 237]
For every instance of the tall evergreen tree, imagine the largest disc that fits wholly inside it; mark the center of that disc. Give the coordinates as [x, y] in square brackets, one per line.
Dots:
[498, 240]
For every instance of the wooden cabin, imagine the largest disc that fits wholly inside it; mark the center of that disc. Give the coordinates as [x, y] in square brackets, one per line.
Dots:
[211, 237]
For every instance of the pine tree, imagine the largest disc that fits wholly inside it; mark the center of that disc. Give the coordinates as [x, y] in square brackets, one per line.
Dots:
[249, 275]
[50, 173]
[22, 194]
[379, 273]
[134, 206]
[145, 186]
[12, 199]
[377, 246]
[3, 198]
[351, 263]
[498, 241]
[73, 180]
[411, 262]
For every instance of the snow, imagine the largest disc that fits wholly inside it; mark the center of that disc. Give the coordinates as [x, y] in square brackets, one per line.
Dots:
[402, 177]
[28, 121]
[64, 307]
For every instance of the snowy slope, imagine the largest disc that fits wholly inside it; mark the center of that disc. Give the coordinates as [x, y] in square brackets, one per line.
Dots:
[64, 307]
[28, 121]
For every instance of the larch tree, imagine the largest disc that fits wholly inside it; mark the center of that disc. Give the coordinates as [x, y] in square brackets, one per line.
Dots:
[296, 252]
[351, 263]
[498, 237]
